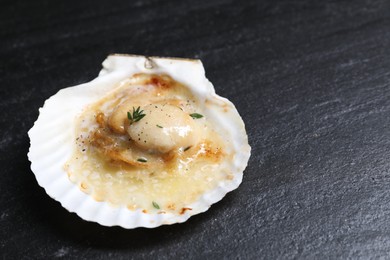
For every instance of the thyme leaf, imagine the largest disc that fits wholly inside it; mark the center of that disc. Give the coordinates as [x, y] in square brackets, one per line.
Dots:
[196, 115]
[155, 205]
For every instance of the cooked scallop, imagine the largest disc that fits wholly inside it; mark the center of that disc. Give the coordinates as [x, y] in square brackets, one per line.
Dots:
[146, 143]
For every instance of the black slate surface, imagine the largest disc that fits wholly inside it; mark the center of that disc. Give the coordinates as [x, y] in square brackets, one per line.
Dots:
[311, 80]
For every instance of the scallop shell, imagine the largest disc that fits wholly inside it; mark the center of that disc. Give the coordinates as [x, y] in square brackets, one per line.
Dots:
[52, 139]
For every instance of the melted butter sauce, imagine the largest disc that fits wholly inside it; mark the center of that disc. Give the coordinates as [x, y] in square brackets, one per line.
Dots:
[162, 182]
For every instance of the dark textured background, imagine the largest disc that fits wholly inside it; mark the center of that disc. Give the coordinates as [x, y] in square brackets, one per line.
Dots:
[311, 80]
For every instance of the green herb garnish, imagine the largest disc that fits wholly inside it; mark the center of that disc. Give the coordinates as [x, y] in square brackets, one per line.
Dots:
[136, 115]
[155, 205]
[142, 160]
[159, 126]
[196, 115]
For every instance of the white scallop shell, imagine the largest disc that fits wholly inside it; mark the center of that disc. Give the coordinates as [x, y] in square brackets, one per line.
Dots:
[52, 139]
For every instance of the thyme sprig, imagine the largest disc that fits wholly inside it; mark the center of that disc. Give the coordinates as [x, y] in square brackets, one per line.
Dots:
[136, 115]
